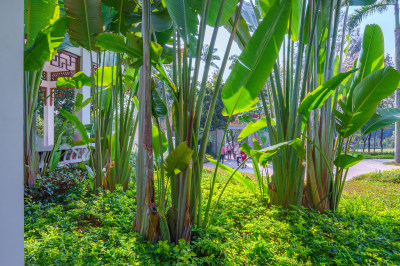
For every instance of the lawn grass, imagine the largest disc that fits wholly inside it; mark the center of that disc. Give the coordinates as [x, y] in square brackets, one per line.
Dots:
[376, 155]
[86, 229]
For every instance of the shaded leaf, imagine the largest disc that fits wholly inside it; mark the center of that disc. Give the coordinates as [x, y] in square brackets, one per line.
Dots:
[86, 22]
[346, 161]
[178, 160]
[77, 123]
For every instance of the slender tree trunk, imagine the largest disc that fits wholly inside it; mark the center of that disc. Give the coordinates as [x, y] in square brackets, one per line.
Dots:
[363, 140]
[369, 142]
[147, 221]
[397, 63]
[382, 140]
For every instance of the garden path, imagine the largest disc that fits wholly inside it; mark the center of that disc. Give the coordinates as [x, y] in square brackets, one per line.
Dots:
[364, 167]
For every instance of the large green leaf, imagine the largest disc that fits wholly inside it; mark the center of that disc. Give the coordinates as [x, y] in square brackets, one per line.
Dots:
[80, 103]
[249, 16]
[127, 5]
[367, 95]
[253, 127]
[346, 161]
[77, 123]
[178, 160]
[385, 117]
[242, 35]
[133, 46]
[372, 53]
[317, 97]
[38, 15]
[268, 152]
[86, 21]
[161, 21]
[185, 20]
[106, 76]
[295, 21]
[158, 107]
[229, 9]
[46, 44]
[254, 65]
[77, 81]
[156, 142]
[245, 181]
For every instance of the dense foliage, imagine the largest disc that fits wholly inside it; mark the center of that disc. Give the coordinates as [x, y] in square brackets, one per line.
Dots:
[97, 230]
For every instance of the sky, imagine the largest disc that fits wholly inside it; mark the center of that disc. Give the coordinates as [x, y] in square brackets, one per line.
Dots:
[384, 20]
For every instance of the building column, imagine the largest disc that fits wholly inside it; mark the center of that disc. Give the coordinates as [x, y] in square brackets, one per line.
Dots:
[48, 120]
[84, 113]
[11, 134]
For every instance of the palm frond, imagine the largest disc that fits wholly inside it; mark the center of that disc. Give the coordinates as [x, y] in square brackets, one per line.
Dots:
[362, 13]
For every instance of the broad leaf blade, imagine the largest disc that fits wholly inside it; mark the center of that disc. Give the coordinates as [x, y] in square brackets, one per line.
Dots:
[77, 81]
[46, 44]
[317, 98]
[185, 20]
[384, 118]
[367, 95]
[254, 65]
[253, 127]
[346, 161]
[372, 54]
[38, 15]
[86, 21]
[156, 142]
[178, 160]
[77, 123]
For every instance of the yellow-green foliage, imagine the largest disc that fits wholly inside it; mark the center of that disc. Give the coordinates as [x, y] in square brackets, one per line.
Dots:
[97, 230]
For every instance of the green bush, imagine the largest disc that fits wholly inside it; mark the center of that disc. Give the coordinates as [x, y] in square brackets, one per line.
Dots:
[94, 230]
[58, 184]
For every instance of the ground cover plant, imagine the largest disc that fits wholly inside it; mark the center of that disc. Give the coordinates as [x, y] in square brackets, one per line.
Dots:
[97, 230]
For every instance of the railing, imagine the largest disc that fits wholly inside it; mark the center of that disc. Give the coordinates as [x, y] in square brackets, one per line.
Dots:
[69, 155]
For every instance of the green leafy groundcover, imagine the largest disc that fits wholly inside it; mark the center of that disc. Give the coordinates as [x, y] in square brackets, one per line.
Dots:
[87, 229]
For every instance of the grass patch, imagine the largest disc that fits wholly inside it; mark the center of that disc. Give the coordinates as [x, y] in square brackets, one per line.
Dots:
[376, 155]
[89, 230]
[391, 176]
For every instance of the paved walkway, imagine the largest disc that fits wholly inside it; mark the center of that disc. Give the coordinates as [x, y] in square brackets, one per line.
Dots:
[364, 167]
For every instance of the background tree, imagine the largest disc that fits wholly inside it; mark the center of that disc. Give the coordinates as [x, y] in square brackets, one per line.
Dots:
[218, 121]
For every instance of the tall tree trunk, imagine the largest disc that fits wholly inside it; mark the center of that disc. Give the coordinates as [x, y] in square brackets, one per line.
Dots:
[374, 141]
[397, 94]
[382, 140]
[369, 142]
[363, 140]
[147, 221]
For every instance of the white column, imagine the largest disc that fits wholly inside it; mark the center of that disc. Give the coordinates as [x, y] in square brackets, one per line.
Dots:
[86, 66]
[48, 120]
[84, 113]
[11, 136]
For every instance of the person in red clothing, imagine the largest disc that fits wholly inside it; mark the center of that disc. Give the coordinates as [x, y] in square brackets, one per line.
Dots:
[222, 156]
[244, 156]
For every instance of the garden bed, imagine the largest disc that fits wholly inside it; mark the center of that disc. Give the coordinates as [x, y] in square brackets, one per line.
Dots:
[86, 229]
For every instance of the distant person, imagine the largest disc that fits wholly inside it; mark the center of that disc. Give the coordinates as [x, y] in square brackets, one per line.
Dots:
[237, 154]
[229, 148]
[243, 155]
[222, 157]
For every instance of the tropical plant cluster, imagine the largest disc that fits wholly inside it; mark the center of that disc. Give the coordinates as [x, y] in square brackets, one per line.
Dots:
[146, 58]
